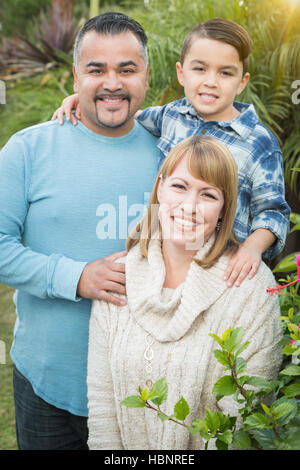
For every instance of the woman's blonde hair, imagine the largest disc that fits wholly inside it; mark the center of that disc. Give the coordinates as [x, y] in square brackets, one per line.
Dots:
[209, 160]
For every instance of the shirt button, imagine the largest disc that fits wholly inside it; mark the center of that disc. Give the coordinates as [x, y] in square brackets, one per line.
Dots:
[204, 131]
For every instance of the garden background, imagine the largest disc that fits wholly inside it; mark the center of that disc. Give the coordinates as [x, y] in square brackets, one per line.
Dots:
[36, 38]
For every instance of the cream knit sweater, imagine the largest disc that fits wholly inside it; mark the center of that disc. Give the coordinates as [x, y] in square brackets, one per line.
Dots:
[178, 323]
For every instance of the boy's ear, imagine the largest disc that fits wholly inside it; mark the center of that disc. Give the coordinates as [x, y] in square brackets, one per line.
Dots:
[75, 84]
[243, 83]
[179, 73]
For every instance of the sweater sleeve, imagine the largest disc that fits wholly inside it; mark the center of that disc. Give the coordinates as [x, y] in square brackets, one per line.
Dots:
[54, 275]
[103, 426]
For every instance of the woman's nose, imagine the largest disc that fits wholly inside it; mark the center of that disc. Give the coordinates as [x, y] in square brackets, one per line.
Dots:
[190, 202]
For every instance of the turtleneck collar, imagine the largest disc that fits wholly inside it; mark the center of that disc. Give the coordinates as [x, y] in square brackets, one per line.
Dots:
[169, 320]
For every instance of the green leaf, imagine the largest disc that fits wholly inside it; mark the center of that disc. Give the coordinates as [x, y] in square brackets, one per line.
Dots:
[226, 437]
[288, 264]
[221, 357]
[291, 442]
[257, 421]
[241, 439]
[291, 410]
[221, 445]
[234, 339]
[266, 438]
[225, 386]
[290, 349]
[212, 420]
[200, 426]
[242, 347]
[291, 313]
[263, 384]
[145, 394]
[291, 370]
[226, 334]
[240, 365]
[162, 416]
[292, 390]
[266, 409]
[282, 409]
[216, 338]
[181, 409]
[225, 422]
[159, 392]
[133, 401]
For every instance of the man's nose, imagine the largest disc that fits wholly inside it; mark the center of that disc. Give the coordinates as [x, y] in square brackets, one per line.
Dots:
[112, 81]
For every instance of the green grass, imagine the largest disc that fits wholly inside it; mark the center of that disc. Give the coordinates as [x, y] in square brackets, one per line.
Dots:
[7, 411]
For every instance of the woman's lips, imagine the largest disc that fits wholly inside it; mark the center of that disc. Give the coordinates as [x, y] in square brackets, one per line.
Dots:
[185, 224]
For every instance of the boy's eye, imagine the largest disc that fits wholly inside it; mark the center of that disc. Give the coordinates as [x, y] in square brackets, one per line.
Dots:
[198, 69]
[227, 74]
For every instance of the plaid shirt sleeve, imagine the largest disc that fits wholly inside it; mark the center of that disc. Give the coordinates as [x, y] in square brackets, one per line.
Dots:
[268, 207]
[152, 118]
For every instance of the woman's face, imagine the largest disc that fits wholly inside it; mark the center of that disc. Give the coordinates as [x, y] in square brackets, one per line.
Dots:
[189, 208]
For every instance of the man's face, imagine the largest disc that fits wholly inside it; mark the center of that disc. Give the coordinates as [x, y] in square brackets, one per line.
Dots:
[111, 80]
[212, 76]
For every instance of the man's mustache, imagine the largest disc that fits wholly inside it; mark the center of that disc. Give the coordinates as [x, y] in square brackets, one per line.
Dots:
[101, 96]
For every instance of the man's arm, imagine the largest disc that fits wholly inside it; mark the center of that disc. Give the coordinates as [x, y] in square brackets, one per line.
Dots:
[38, 274]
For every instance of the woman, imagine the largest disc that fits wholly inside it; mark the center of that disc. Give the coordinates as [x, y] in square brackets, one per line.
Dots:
[176, 296]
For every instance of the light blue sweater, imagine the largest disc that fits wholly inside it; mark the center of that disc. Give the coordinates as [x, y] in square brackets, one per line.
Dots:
[68, 196]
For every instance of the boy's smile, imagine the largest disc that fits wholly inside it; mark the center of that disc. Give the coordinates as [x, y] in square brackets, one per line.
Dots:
[212, 76]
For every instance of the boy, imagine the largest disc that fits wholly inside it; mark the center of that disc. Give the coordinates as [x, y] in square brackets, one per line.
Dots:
[213, 69]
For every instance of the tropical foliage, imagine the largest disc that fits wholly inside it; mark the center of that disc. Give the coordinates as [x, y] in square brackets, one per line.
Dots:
[274, 66]
[269, 410]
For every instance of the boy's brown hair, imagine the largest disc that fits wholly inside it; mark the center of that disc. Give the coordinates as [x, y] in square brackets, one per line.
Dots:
[222, 30]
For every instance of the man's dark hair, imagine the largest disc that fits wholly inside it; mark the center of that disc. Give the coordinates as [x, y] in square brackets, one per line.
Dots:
[111, 23]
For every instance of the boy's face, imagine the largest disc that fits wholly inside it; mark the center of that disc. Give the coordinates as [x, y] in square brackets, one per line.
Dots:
[212, 76]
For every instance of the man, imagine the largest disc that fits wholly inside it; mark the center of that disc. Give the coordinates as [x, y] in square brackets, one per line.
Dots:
[68, 197]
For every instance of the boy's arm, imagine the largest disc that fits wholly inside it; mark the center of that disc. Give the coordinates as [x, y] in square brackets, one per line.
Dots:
[268, 207]
[269, 213]
[152, 119]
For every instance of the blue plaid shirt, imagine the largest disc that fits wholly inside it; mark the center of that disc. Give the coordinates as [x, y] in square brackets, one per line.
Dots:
[261, 200]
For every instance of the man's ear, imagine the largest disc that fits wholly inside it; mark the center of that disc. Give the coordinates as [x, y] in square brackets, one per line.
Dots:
[179, 73]
[243, 83]
[75, 84]
[147, 77]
